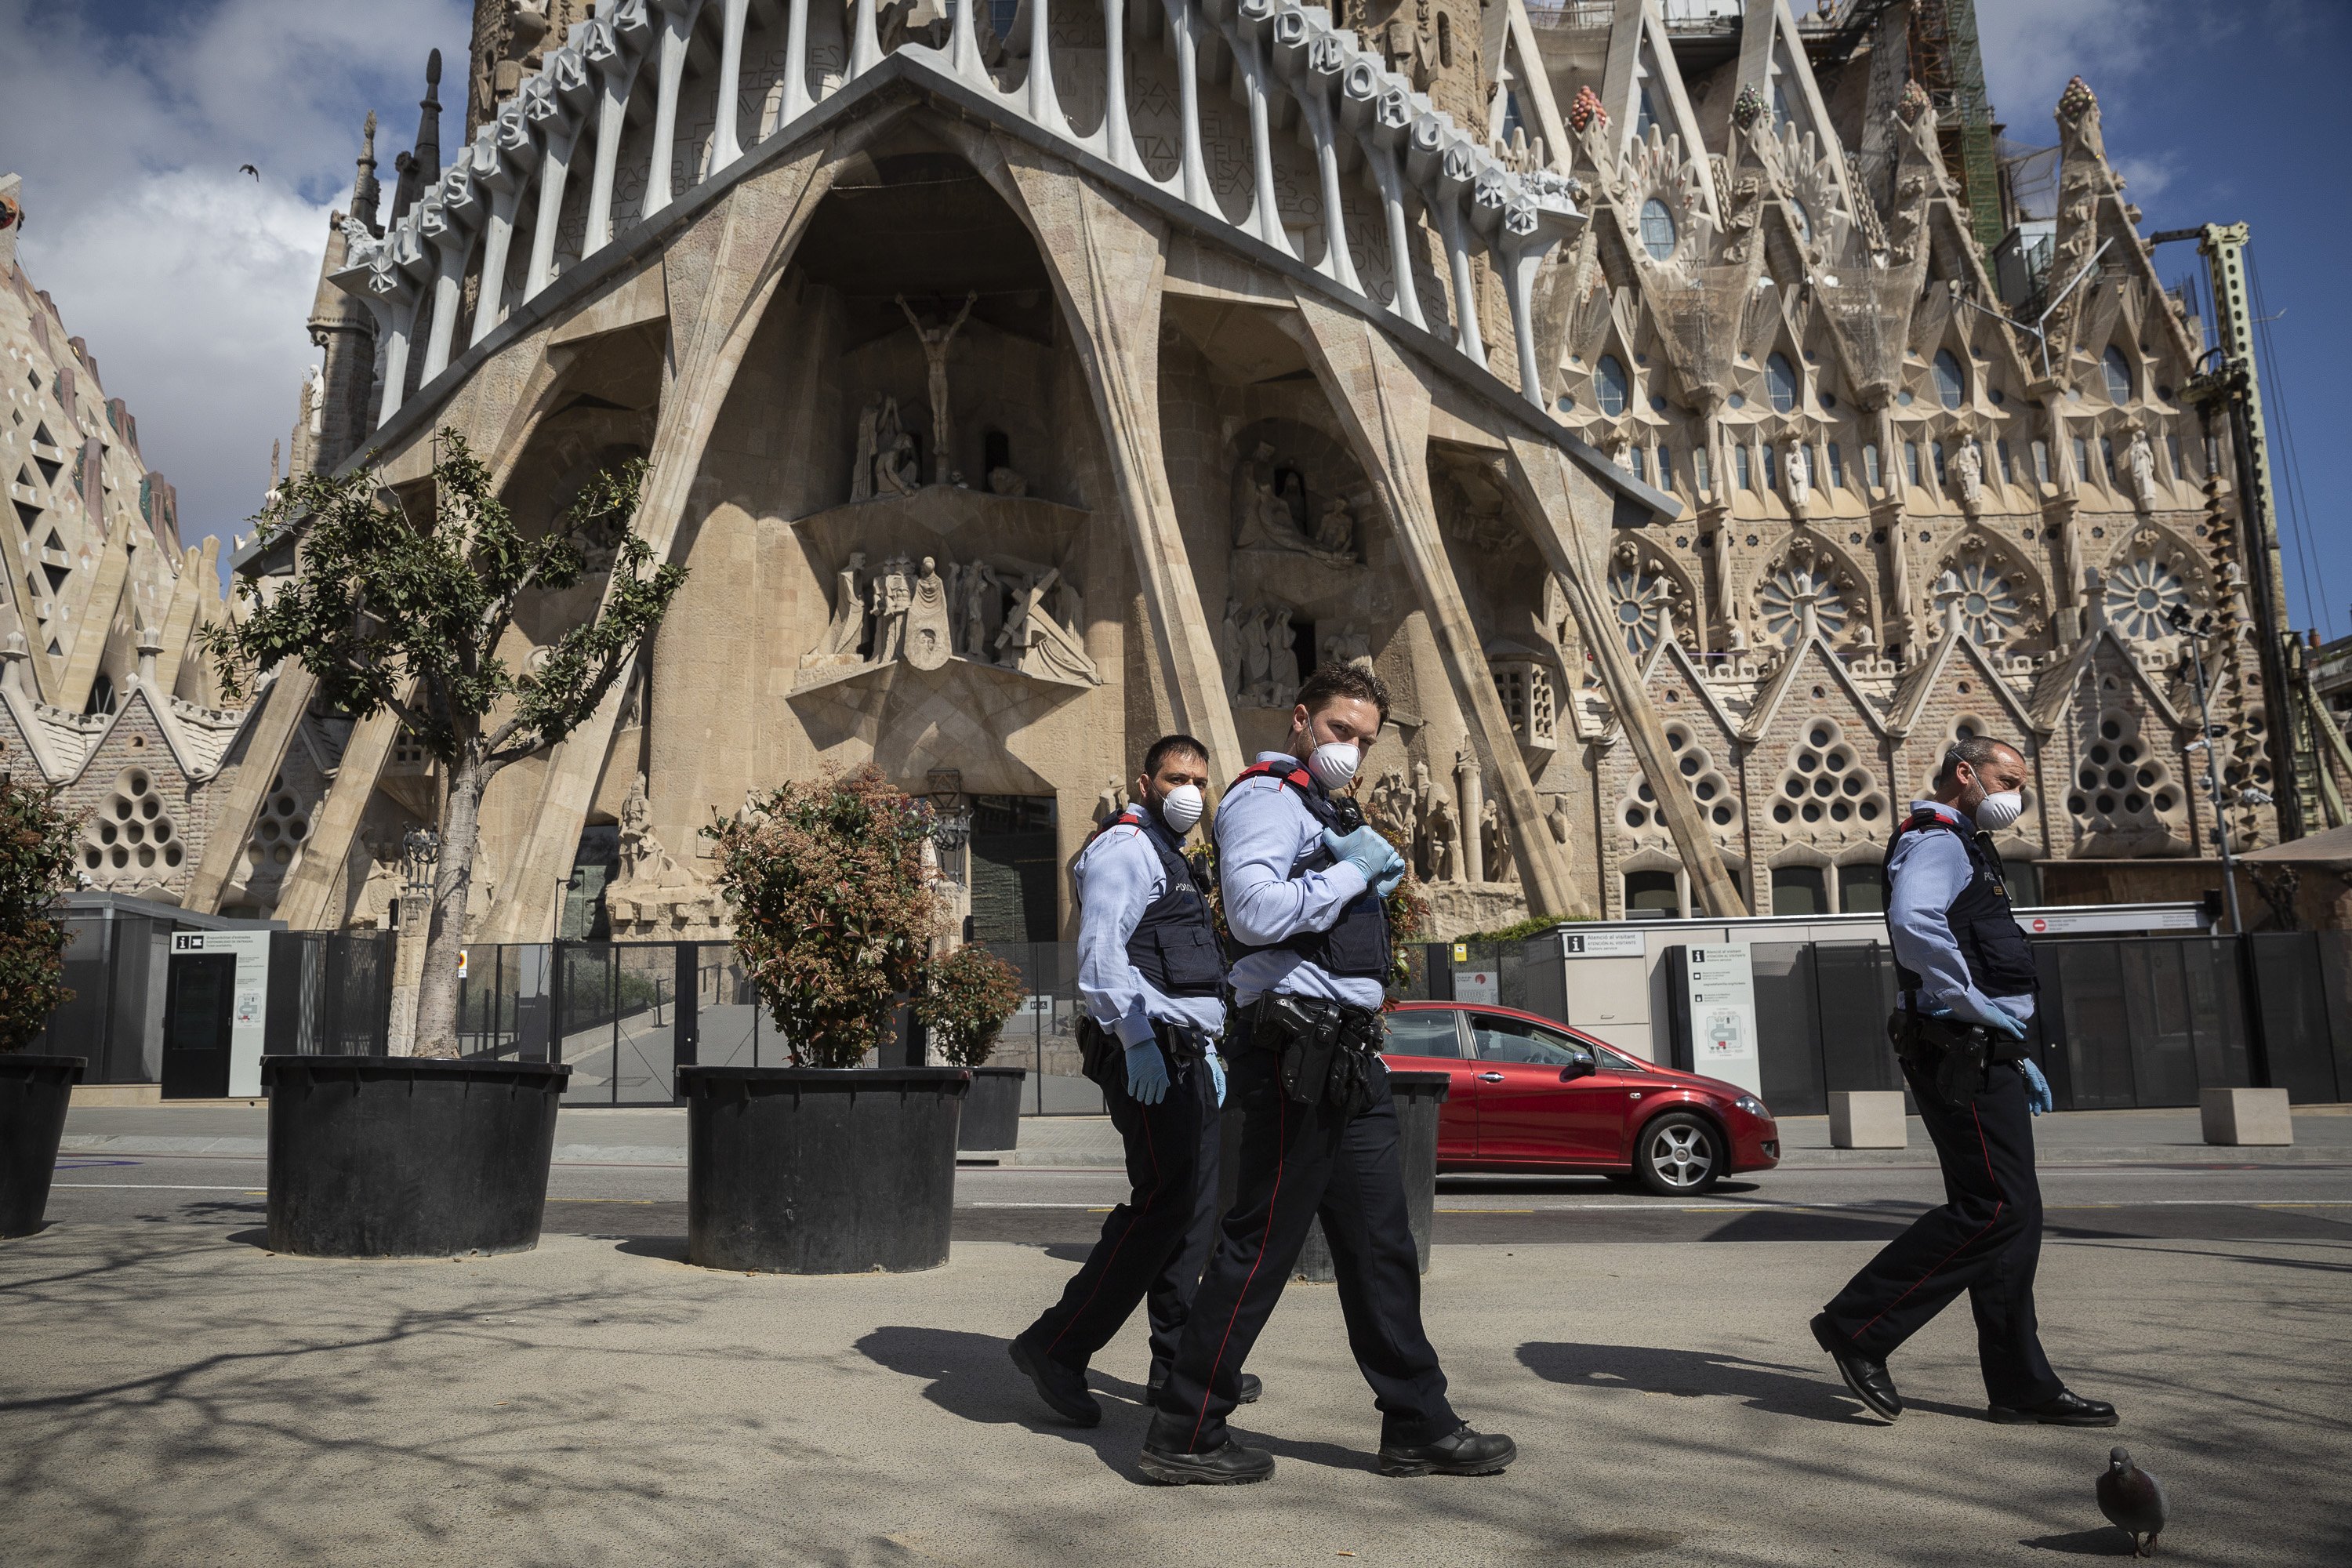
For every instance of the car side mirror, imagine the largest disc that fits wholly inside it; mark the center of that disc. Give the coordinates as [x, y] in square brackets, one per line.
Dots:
[1582, 1066]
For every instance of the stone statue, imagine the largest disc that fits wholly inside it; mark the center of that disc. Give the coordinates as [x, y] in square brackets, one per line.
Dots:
[1282, 657]
[1800, 476]
[979, 597]
[1390, 807]
[1346, 644]
[891, 596]
[637, 842]
[1334, 530]
[1110, 803]
[1037, 645]
[869, 425]
[894, 471]
[314, 399]
[1264, 517]
[2140, 467]
[930, 635]
[1444, 866]
[935, 341]
[1496, 846]
[848, 629]
[1968, 474]
[1556, 819]
[1231, 638]
[1003, 481]
[1258, 661]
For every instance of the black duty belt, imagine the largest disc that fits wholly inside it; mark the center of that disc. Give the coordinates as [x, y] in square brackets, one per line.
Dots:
[1326, 1050]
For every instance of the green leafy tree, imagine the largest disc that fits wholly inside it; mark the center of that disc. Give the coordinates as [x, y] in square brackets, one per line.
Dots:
[967, 997]
[832, 915]
[37, 859]
[402, 606]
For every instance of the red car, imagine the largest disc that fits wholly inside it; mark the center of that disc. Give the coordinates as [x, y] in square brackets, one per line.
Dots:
[1531, 1095]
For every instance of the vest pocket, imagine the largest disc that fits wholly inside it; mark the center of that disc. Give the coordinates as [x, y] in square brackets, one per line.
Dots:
[1189, 956]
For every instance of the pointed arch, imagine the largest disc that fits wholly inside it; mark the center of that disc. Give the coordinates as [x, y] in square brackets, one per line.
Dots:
[1641, 70]
[1772, 61]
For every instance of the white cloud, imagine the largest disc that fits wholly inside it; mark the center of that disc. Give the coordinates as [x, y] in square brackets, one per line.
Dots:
[191, 282]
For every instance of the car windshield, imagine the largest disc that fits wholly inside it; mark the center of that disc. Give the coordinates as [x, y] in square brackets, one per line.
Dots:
[1502, 1039]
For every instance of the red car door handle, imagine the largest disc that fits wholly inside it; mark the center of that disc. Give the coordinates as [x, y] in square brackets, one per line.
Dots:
[1490, 1078]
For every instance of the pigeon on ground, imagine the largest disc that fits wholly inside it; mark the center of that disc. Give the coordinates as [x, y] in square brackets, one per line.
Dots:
[2133, 1500]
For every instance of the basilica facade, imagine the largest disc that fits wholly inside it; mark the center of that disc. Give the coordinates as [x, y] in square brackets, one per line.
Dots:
[1647, 403]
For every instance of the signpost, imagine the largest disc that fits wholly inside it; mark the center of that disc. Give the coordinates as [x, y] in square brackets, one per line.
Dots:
[1714, 996]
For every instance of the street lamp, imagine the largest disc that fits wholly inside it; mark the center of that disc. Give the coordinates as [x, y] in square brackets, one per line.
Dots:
[951, 819]
[2194, 630]
[420, 858]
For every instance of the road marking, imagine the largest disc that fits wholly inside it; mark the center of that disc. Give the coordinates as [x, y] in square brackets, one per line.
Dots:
[158, 1187]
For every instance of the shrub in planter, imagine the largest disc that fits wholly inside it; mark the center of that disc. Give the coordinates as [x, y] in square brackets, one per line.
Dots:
[824, 1166]
[36, 857]
[967, 997]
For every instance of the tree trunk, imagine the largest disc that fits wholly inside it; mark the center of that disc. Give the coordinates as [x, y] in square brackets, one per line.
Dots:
[461, 831]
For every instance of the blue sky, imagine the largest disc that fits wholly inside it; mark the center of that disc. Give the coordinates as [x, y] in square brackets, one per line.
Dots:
[128, 119]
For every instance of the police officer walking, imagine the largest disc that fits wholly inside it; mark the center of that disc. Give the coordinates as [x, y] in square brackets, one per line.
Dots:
[1153, 981]
[1302, 881]
[1968, 984]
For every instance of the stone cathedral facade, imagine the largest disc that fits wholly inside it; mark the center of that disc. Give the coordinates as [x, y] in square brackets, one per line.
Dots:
[1021, 381]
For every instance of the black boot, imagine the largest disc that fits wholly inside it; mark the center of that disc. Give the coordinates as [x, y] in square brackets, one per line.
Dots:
[1063, 1388]
[1866, 1378]
[1227, 1464]
[1459, 1453]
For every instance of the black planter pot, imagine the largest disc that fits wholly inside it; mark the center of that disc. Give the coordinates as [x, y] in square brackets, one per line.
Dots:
[992, 1112]
[820, 1170]
[408, 1156]
[1418, 1096]
[35, 1092]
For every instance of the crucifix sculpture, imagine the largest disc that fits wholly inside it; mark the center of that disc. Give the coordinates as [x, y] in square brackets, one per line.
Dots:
[935, 340]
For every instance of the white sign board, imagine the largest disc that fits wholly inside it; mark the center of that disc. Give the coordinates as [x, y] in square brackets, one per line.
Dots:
[1478, 985]
[247, 1012]
[2079, 922]
[1720, 1003]
[1603, 944]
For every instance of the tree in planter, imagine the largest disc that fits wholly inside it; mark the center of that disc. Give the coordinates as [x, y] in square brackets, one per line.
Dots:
[401, 606]
[832, 914]
[36, 858]
[967, 997]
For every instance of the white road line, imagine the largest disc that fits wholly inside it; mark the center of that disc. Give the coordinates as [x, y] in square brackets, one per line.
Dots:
[154, 1188]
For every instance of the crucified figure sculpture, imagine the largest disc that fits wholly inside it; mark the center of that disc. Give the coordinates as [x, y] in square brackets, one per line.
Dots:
[935, 340]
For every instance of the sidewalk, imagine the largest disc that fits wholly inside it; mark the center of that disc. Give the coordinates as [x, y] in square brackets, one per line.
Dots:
[657, 1137]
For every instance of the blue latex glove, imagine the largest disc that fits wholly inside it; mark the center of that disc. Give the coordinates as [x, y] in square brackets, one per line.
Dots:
[2007, 1023]
[1216, 1074]
[1146, 1073]
[1368, 852]
[2037, 1089]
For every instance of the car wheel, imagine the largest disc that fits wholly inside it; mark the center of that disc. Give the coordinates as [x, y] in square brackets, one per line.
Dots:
[1679, 1155]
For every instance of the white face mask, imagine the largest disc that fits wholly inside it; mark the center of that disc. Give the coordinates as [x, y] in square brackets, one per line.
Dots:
[1334, 762]
[1181, 807]
[1997, 810]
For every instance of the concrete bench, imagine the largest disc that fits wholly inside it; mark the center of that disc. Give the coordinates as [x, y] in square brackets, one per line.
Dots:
[2235, 1116]
[1868, 1120]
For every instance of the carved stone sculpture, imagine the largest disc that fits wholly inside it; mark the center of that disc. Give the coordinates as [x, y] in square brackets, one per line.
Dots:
[1282, 657]
[1495, 845]
[1233, 636]
[1037, 645]
[1110, 803]
[979, 594]
[1334, 530]
[891, 594]
[1445, 838]
[1967, 475]
[929, 636]
[935, 341]
[1346, 644]
[848, 627]
[869, 426]
[1800, 478]
[1003, 481]
[2139, 469]
[1257, 661]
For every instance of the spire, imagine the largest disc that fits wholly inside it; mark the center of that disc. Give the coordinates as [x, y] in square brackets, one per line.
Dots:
[421, 166]
[366, 197]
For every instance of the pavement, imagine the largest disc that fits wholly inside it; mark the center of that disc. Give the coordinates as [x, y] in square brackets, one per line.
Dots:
[657, 1136]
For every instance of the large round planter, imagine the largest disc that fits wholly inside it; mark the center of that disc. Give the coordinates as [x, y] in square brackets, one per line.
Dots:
[820, 1170]
[35, 1092]
[1418, 1096]
[992, 1112]
[408, 1156]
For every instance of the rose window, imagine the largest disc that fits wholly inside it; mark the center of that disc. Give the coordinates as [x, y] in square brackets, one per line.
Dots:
[1639, 599]
[2120, 783]
[1987, 607]
[1718, 803]
[1785, 594]
[131, 839]
[276, 834]
[2141, 594]
[1825, 780]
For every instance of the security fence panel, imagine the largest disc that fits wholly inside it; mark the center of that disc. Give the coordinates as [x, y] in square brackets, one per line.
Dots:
[2217, 1012]
[329, 994]
[583, 1019]
[2335, 980]
[2291, 994]
[1534, 977]
[1854, 985]
[1043, 1035]
[644, 1023]
[2161, 1033]
[2094, 1041]
[1788, 1028]
[735, 1030]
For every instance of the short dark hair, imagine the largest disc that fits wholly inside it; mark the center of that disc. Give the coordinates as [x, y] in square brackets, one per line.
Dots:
[1331, 682]
[1974, 749]
[1169, 746]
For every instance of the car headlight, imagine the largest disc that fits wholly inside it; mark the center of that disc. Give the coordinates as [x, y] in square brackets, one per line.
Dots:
[1753, 1106]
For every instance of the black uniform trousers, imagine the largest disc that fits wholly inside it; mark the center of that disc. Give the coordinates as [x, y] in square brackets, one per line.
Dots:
[1298, 1162]
[1153, 1245]
[1986, 1241]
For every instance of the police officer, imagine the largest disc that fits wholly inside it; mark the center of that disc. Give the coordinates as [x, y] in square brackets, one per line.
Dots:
[1302, 881]
[1968, 980]
[1153, 980]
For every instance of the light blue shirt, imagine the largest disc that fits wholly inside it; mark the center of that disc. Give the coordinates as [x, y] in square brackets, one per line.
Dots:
[1266, 842]
[1118, 877]
[1925, 874]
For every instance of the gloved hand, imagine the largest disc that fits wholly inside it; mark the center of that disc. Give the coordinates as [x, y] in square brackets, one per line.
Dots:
[2037, 1089]
[2005, 1022]
[1146, 1073]
[1368, 852]
[1216, 1066]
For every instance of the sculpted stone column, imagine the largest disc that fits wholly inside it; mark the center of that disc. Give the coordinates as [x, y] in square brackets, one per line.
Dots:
[1108, 262]
[1383, 402]
[1547, 492]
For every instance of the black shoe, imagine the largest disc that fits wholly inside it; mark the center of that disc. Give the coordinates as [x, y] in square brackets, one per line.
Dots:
[1062, 1388]
[1460, 1453]
[1251, 1389]
[2068, 1409]
[1866, 1378]
[1226, 1465]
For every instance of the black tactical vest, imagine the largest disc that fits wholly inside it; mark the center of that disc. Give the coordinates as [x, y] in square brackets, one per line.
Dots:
[1998, 954]
[1174, 945]
[1356, 946]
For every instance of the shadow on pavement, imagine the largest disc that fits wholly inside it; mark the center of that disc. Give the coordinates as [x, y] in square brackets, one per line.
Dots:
[2107, 1541]
[1690, 1375]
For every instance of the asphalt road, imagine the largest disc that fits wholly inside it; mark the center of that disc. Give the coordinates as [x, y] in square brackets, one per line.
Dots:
[1059, 1207]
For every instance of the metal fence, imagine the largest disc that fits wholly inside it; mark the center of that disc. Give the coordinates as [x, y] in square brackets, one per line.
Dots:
[329, 992]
